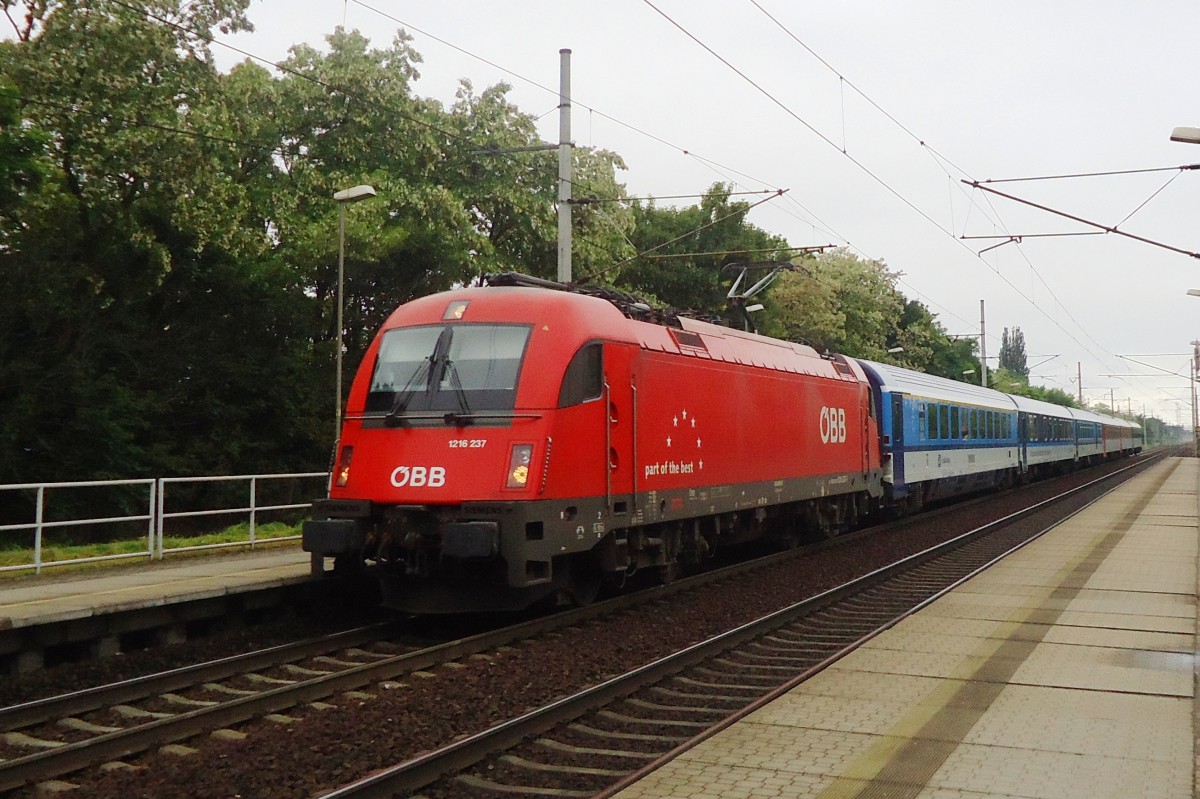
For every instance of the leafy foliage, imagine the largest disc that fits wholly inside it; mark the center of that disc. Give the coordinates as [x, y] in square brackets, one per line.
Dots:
[688, 256]
[839, 302]
[169, 285]
[1012, 383]
[1012, 352]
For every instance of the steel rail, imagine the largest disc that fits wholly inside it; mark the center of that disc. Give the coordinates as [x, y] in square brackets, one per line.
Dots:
[421, 771]
[71, 757]
[85, 700]
[74, 756]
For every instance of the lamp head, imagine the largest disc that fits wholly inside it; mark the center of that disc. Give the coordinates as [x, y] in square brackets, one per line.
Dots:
[354, 194]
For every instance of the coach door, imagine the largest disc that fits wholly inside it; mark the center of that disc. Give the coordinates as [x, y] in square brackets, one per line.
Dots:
[898, 439]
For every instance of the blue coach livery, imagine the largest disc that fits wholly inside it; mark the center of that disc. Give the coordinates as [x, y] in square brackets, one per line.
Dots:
[944, 437]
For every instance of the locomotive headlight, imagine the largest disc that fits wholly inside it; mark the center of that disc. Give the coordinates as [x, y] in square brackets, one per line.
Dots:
[518, 465]
[343, 467]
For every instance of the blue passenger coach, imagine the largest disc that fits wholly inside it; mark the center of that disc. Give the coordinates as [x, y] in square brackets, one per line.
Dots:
[941, 437]
[1048, 436]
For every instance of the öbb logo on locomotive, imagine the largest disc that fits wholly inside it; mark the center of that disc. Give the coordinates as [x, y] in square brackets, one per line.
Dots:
[419, 476]
[833, 425]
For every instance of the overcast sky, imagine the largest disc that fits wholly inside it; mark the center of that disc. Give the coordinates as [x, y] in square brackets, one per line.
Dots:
[870, 114]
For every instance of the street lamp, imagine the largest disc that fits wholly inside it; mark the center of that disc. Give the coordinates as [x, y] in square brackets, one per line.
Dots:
[1186, 135]
[895, 350]
[343, 198]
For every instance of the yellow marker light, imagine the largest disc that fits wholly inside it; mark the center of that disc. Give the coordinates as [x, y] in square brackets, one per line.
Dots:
[456, 309]
[343, 469]
[518, 465]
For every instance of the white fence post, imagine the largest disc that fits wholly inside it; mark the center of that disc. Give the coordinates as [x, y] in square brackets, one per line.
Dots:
[152, 524]
[156, 551]
[253, 495]
[39, 517]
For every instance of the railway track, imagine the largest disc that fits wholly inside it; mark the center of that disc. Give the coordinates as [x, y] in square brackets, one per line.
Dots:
[54, 737]
[599, 740]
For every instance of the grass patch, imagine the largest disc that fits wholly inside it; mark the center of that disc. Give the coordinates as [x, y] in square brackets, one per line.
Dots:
[235, 534]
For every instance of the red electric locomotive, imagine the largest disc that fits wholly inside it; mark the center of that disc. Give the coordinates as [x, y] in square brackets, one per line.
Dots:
[522, 442]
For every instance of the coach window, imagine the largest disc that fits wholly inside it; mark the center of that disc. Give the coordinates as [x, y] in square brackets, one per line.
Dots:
[929, 411]
[584, 379]
[943, 421]
[974, 426]
[954, 428]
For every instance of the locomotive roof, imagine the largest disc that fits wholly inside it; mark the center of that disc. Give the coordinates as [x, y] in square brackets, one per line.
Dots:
[582, 314]
[906, 381]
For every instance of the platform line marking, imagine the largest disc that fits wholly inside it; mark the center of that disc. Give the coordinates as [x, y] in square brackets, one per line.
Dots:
[901, 764]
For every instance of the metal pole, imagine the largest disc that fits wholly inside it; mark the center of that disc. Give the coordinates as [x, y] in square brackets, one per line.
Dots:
[564, 167]
[982, 348]
[1195, 410]
[337, 416]
[1079, 380]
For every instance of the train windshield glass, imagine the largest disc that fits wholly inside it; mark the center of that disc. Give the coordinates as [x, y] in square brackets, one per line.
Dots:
[456, 368]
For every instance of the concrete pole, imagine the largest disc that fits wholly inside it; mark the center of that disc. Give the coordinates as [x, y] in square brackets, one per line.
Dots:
[1195, 410]
[564, 167]
[982, 348]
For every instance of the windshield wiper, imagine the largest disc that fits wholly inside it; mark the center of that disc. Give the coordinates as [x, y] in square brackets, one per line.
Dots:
[463, 414]
[405, 394]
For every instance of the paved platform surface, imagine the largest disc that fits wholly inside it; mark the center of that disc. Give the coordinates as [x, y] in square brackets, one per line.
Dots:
[1066, 671]
[49, 598]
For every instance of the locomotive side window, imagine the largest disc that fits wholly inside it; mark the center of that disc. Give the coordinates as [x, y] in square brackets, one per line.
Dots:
[584, 379]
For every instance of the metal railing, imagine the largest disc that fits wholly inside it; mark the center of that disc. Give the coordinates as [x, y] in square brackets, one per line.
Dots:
[155, 518]
[252, 509]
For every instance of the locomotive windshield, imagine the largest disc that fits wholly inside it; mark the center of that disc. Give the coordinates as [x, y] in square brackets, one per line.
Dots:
[459, 368]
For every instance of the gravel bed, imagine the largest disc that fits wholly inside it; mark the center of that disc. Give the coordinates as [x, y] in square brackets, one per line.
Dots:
[322, 749]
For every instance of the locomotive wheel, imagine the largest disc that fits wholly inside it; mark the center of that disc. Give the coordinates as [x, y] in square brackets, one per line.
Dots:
[668, 572]
[347, 565]
[585, 581]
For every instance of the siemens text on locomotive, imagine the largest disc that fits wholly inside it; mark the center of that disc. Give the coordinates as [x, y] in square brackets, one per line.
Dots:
[521, 442]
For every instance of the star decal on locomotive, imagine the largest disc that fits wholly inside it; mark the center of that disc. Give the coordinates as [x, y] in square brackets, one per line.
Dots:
[681, 419]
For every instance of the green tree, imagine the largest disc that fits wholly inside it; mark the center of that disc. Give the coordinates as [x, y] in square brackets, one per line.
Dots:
[167, 303]
[1012, 383]
[21, 151]
[692, 252]
[138, 329]
[1012, 352]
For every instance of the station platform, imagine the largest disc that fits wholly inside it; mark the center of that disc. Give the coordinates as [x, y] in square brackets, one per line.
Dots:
[50, 597]
[1066, 671]
[111, 609]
